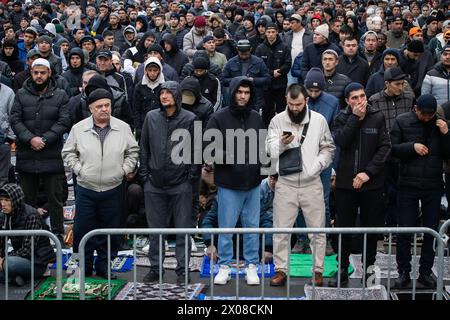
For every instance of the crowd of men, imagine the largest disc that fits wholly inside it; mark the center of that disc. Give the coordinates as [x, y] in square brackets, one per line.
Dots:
[354, 96]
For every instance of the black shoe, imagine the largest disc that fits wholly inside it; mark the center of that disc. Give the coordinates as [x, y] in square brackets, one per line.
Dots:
[427, 281]
[344, 279]
[403, 281]
[152, 277]
[104, 275]
[181, 279]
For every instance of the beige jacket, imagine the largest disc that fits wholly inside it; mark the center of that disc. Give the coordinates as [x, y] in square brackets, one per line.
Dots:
[317, 149]
[100, 168]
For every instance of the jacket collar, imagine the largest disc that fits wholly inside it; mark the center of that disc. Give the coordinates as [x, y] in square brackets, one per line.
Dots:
[90, 124]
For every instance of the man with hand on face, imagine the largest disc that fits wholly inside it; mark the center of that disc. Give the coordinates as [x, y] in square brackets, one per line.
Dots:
[101, 151]
[301, 136]
[39, 118]
[421, 142]
[360, 132]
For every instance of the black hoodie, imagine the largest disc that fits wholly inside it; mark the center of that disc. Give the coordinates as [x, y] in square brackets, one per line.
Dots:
[237, 176]
[74, 76]
[175, 57]
[202, 108]
[156, 145]
[13, 61]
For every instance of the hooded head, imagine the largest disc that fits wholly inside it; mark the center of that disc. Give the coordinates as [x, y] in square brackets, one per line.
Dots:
[234, 86]
[192, 85]
[159, 80]
[202, 54]
[77, 52]
[14, 193]
[127, 29]
[172, 40]
[175, 88]
[141, 45]
[143, 19]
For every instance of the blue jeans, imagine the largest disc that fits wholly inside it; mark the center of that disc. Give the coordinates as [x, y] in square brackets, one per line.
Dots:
[325, 177]
[232, 205]
[18, 266]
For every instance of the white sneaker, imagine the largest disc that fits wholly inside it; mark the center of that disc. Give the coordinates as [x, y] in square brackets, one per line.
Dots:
[252, 275]
[223, 276]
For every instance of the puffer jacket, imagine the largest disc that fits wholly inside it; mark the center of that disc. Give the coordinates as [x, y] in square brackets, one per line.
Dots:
[6, 103]
[335, 85]
[45, 116]
[156, 146]
[317, 149]
[276, 56]
[364, 147]
[175, 58]
[392, 106]
[25, 217]
[419, 172]
[325, 104]
[191, 41]
[202, 107]
[232, 175]
[437, 83]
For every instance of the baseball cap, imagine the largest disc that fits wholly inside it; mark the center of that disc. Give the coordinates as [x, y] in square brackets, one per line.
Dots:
[414, 30]
[393, 74]
[296, 16]
[427, 103]
[243, 45]
[32, 53]
[105, 53]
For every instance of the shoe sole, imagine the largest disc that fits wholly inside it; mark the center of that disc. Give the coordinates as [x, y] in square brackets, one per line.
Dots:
[250, 283]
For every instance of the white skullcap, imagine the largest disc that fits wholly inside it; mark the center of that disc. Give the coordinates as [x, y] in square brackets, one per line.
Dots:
[41, 62]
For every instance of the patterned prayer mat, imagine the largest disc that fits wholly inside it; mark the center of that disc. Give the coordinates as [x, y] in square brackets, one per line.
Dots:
[119, 264]
[169, 291]
[203, 296]
[383, 260]
[269, 269]
[325, 293]
[96, 289]
[301, 266]
[170, 263]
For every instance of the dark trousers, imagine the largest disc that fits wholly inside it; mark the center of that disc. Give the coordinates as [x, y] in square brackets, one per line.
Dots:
[53, 187]
[371, 206]
[161, 206]
[447, 191]
[97, 210]
[391, 219]
[274, 100]
[408, 205]
[5, 163]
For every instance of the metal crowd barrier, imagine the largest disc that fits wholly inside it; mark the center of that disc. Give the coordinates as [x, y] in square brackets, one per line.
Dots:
[33, 233]
[440, 241]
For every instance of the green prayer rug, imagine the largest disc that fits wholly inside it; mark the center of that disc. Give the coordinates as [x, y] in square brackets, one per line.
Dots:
[95, 289]
[301, 266]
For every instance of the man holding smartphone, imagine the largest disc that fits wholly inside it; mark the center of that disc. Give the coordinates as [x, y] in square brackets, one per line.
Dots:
[307, 131]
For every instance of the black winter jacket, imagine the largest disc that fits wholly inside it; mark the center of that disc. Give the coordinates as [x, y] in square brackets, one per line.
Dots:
[357, 69]
[156, 146]
[44, 116]
[236, 176]
[74, 75]
[335, 85]
[176, 58]
[276, 56]
[419, 172]
[144, 100]
[364, 147]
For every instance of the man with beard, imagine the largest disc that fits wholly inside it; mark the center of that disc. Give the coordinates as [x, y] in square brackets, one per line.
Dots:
[303, 131]
[76, 70]
[238, 181]
[88, 45]
[117, 29]
[396, 37]
[195, 37]
[167, 186]
[260, 35]
[39, 118]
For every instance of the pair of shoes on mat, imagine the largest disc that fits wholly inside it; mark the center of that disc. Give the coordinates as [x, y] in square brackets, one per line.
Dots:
[224, 275]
